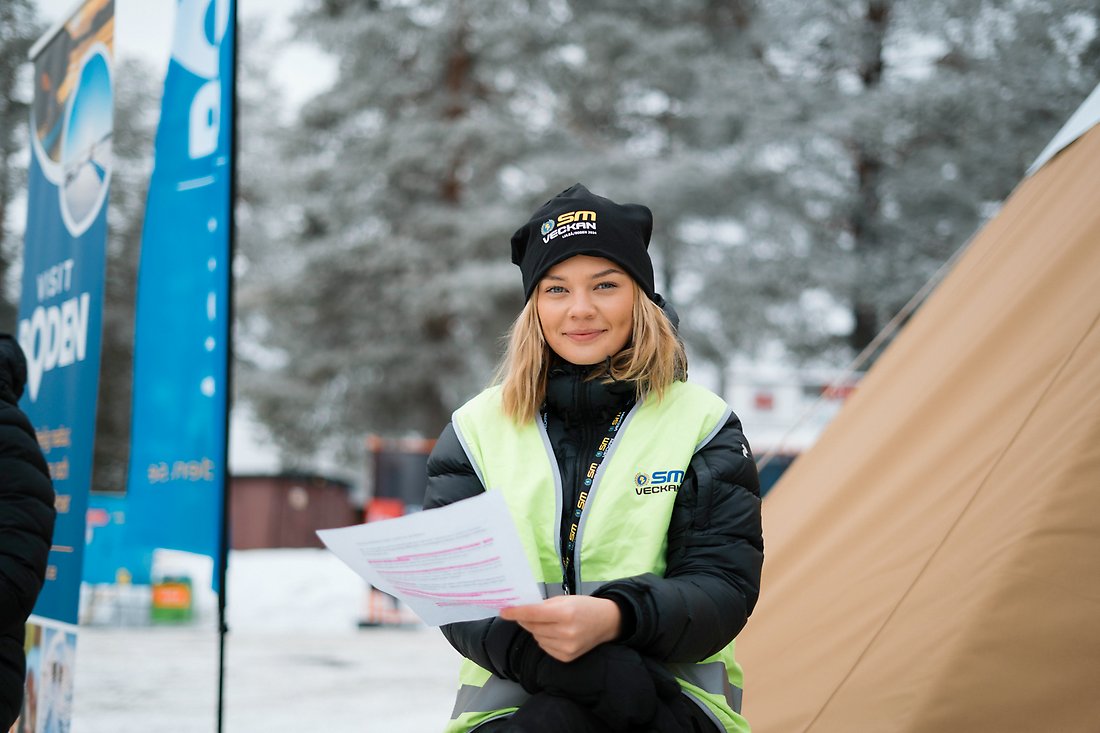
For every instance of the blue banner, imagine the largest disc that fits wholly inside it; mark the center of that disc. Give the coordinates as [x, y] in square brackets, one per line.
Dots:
[110, 556]
[61, 306]
[177, 454]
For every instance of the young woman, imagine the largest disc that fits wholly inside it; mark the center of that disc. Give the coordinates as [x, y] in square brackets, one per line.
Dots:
[635, 494]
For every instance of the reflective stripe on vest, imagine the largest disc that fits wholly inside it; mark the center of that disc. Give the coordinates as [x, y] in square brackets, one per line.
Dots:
[712, 678]
[623, 531]
[498, 693]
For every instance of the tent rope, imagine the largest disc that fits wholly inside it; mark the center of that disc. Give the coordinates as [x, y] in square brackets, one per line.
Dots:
[888, 331]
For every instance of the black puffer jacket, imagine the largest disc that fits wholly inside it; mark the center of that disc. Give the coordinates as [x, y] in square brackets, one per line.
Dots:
[715, 545]
[26, 526]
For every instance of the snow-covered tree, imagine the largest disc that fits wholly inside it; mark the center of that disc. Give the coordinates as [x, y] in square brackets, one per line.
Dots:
[907, 124]
[19, 28]
[137, 102]
[810, 163]
[388, 305]
[660, 103]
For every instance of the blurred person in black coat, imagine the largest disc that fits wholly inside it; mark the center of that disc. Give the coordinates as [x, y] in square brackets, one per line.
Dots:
[27, 517]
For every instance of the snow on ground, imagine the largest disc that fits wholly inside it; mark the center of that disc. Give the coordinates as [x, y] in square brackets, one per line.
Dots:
[296, 660]
[288, 590]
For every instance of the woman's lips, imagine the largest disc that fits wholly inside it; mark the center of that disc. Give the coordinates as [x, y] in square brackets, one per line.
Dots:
[583, 336]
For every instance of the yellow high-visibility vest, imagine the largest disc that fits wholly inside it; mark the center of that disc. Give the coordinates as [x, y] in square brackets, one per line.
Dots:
[622, 532]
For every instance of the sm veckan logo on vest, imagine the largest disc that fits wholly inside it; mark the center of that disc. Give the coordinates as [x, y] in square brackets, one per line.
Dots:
[657, 482]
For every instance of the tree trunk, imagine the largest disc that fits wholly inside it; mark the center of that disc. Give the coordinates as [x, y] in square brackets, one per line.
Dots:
[867, 167]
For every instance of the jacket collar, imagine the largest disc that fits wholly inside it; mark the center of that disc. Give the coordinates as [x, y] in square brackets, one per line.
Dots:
[573, 395]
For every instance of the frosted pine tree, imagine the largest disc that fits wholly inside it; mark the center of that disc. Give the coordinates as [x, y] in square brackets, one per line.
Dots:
[137, 104]
[905, 125]
[19, 29]
[660, 102]
[403, 184]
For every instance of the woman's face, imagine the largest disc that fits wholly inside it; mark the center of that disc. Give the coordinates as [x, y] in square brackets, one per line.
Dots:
[586, 308]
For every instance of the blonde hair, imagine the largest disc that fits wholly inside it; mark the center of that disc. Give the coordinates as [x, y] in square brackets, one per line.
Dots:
[653, 359]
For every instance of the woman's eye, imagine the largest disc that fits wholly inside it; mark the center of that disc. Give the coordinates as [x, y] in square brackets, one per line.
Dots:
[607, 285]
[555, 289]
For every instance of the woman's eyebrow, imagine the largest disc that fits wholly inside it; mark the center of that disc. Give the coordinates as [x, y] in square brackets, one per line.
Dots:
[602, 273]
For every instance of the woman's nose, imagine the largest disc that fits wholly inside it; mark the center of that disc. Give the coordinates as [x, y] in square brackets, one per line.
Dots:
[581, 306]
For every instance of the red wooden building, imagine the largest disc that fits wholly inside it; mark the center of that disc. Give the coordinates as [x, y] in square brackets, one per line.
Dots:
[286, 510]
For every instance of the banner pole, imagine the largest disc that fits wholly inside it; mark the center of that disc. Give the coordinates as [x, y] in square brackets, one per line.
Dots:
[223, 559]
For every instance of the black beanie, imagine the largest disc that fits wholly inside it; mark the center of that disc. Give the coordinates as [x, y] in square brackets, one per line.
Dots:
[578, 222]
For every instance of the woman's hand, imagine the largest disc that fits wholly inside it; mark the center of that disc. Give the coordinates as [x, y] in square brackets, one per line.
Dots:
[567, 627]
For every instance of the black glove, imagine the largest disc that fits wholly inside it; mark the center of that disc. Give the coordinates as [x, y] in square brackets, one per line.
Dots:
[672, 704]
[612, 681]
[663, 681]
[523, 657]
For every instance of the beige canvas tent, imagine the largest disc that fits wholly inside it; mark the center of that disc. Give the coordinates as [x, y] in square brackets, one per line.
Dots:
[933, 563]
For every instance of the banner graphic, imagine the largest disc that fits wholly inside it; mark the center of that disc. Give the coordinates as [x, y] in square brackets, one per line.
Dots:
[61, 306]
[177, 454]
[60, 319]
[48, 691]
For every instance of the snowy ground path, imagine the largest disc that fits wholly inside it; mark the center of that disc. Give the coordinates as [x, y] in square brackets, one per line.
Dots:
[165, 679]
[296, 661]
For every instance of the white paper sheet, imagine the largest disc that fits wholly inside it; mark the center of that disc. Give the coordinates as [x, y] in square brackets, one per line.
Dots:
[457, 563]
